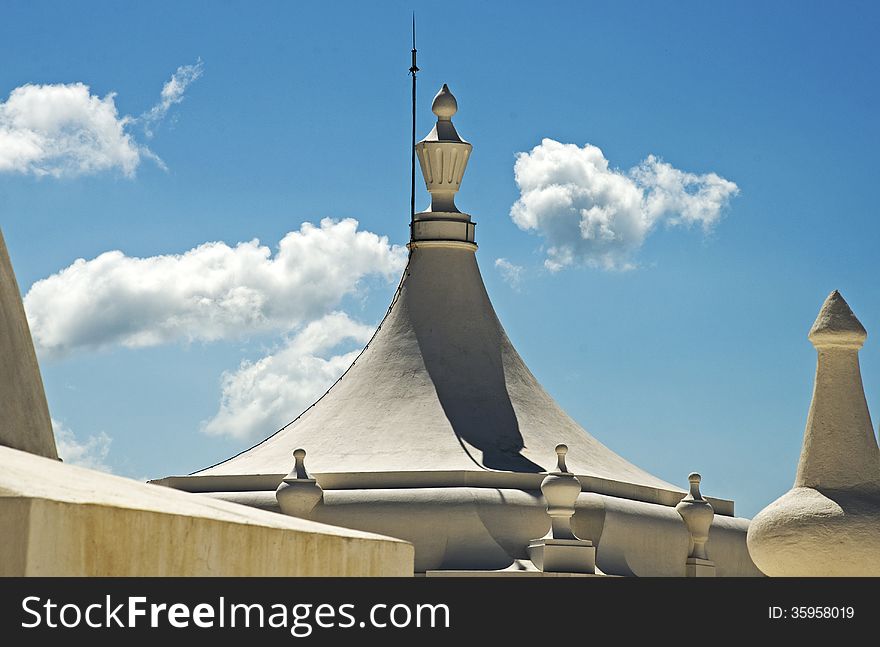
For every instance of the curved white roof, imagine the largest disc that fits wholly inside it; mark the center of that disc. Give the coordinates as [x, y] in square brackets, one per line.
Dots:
[439, 388]
[439, 396]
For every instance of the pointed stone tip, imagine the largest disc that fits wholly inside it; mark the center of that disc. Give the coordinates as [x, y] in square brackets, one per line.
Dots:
[836, 324]
[444, 104]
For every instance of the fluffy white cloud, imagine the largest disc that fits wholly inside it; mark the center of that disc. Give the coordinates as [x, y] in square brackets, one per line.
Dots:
[262, 396]
[64, 130]
[510, 272]
[211, 292]
[172, 92]
[595, 215]
[91, 453]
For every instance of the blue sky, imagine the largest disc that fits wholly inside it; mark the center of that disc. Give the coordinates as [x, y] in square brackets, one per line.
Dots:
[695, 358]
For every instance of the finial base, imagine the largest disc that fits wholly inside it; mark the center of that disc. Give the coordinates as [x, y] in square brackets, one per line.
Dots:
[429, 226]
[696, 567]
[563, 555]
[450, 244]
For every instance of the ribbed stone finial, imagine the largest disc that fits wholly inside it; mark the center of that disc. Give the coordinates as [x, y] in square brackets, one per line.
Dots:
[443, 157]
[298, 493]
[444, 104]
[697, 514]
[560, 550]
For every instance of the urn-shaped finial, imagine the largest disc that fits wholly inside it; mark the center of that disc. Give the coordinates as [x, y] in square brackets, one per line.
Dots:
[561, 489]
[560, 550]
[443, 156]
[298, 493]
[697, 514]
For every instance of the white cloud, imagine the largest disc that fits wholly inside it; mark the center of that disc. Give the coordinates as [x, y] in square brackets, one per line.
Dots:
[211, 292]
[172, 92]
[510, 272]
[262, 396]
[595, 215]
[91, 453]
[63, 130]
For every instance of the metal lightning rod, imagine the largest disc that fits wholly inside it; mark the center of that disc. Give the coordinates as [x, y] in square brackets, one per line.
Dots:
[412, 192]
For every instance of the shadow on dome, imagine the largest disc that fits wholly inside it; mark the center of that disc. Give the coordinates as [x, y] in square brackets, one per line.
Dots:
[462, 355]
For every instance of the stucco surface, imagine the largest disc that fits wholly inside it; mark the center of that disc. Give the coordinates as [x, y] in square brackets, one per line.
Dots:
[440, 388]
[828, 524]
[62, 520]
[812, 533]
[440, 434]
[489, 528]
[24, 414]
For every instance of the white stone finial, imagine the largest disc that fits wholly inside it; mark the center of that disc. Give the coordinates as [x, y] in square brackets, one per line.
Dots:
[828, 524]
[697, 514]
[561, 489]
[443, 157]
[839, 449]
[694, 480]
[298, 493]
[560, 550]
[299, 466]
[561, 451]
[444, 105]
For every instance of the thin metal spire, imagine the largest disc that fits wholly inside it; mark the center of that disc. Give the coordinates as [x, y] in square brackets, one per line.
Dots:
[412, 192]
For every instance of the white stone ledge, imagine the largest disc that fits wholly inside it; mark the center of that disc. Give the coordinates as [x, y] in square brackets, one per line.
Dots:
[62, 520]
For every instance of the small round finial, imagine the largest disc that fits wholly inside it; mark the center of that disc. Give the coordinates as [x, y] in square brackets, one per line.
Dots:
[298, 493]
[694, 479]
[561, 451]
[697, 514]
[444, 104]
[299, 467]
